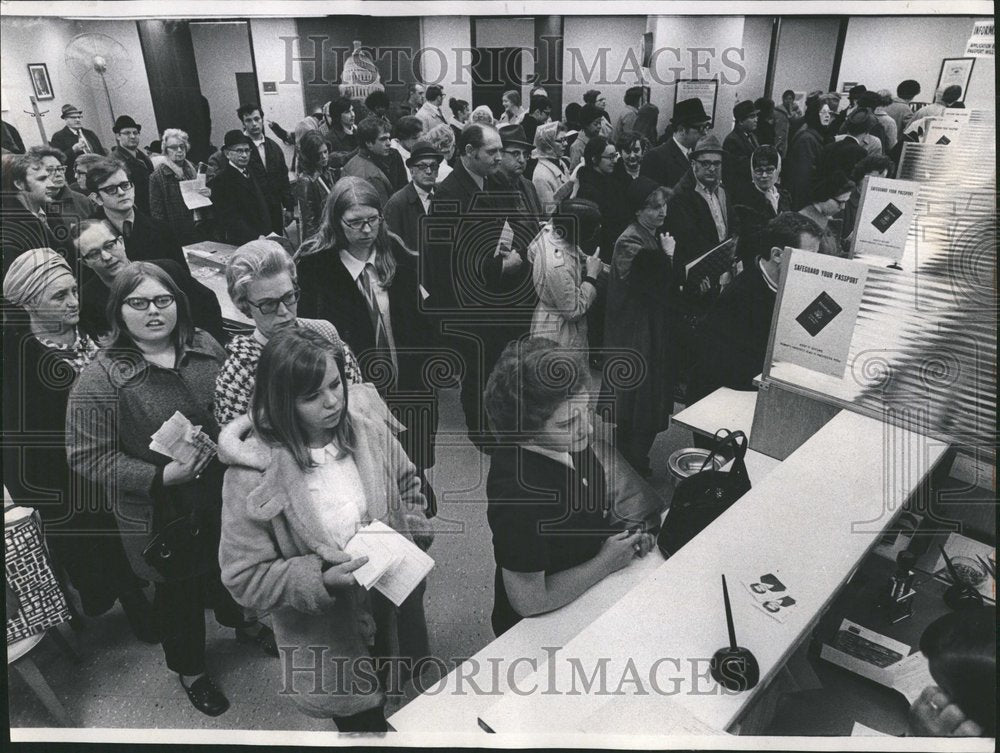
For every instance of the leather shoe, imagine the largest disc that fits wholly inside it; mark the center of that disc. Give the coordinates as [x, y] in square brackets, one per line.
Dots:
[264, 638]
[205, 697]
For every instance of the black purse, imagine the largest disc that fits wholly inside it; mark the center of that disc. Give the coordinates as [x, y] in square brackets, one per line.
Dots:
[701, 498]
[175, 552]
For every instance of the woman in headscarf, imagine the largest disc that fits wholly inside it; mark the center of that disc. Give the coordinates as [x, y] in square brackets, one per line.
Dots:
[636, 321]
[761, 201]
[551, 170]
[44, 352]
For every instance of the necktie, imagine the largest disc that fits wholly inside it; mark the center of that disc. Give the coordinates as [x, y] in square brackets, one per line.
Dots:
[374, 312]
[127, 229]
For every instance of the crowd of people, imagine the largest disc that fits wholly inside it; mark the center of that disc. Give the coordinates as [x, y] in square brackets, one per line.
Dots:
[419, 246]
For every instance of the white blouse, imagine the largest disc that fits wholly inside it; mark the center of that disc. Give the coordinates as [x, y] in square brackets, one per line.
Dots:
[337, 493]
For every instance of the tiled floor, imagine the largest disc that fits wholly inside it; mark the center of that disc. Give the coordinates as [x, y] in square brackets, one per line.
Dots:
[120, 682]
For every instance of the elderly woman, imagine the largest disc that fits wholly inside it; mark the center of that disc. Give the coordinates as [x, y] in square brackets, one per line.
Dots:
[555, 507]
[483, 114]
[315, 180]
[442, 138]
[636, 321]
[262, 283]
[566, 271]
[552, 170]
[156, 364]
[165, 200]
[830, 195]
[44, 352]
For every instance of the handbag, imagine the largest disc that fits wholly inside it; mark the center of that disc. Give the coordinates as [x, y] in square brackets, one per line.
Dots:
[702, 497]
[175, 551]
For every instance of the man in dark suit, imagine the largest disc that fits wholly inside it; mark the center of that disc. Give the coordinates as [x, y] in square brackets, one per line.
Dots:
[510, 177]
[127, 151]
[24, 216]
[739, 146]
[74, 140]
[146, 238]
[104, 255]
[241, 207]
[408, 205]
[732, 340]
[471, 278]
[668, 162]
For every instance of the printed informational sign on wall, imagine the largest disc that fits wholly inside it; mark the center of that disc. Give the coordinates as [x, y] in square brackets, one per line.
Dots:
[820, 298]
[884, 217]
[981, 43]
[704, 89]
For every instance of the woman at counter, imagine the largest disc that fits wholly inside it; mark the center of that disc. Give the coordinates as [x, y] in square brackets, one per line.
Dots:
[556, 516]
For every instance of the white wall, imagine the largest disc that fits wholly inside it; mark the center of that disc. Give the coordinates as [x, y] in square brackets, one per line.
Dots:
[691, 34]
[583, 38]
[447, 33]
[221, 50]
[35, 40]
[805, 54]
[131, 97]
[287, 107]
[756, 47]
[880, 52]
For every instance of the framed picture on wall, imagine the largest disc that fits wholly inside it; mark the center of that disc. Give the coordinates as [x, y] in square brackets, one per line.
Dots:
[955, 71]
[40, 81]
[705, 89]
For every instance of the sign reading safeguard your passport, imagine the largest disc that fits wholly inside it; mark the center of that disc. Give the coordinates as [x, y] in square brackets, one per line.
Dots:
[884, 217]
[819, 306]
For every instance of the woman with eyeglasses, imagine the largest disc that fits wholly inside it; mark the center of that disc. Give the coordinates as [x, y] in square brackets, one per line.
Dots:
[165, 200]
[552, 169]
[598, 184]
[761, 201]
[156, 363]
[315, 180]
[830, 195]
[357, 274]
[263, 284]
[804, 150]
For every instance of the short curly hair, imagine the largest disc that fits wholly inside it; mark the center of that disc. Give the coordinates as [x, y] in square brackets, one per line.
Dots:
[254, 261]
[532, 378]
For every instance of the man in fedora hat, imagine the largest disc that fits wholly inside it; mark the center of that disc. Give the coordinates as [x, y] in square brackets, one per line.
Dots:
[668, 162]
[74, 140]
[140, 167]
[405, 208]
[241, 206]
[510, 177]
[740, 145]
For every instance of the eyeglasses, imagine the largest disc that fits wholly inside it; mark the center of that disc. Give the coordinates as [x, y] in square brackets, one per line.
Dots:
[54, 170]
[106, 248]
[270, 305]
[363, 223]
[709, 164]
[764, 171]
[141, 304]
[243, 150]
[427, 167]
[179, 148]
[124, 187]
[515, 153]
[613, 156]
[703, 128]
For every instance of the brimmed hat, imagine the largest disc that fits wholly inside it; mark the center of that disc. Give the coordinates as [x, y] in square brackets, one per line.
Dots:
[744, 109]
[235, 137]
[422, 150]
[706, 144]
[68, 110]
[123, 122]
[639, 190]
[513, 135]
[689, 112]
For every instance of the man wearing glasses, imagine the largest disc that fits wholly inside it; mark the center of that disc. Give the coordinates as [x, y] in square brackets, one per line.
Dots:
[102, 251]
[127, 151]
[241, 207]
[669, 162]
[111, 188]
[413, 201]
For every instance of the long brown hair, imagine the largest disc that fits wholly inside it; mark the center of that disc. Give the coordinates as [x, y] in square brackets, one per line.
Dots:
[291, 367]
[350, 192]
